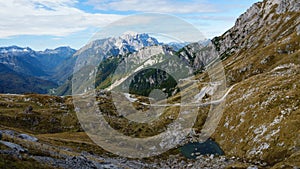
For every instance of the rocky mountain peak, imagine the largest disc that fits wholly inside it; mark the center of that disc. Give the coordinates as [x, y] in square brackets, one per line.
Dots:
[263, 21]
[62, 52]
[15, 49]
[134, 41]
[262, 12]
[129, 42]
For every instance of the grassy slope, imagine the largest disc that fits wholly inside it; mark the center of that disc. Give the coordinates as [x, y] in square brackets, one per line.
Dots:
[50, 114]
[264, 96]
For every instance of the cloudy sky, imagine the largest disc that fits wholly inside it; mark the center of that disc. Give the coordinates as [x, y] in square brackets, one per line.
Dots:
[42, 24]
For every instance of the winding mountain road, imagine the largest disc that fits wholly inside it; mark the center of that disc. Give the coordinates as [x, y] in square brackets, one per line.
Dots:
[214, 102]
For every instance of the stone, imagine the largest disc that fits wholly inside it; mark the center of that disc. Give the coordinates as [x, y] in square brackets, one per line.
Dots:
[80, 162]
[8, 132]
[190, 165]
[14, 146]
[27, 137]
[252, 167]
[28, 110]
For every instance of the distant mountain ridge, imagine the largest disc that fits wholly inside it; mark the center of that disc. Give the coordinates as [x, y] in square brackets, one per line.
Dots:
[56, 65]
[122, 46]
[29, 68]
[114, 46]
[51, 58]
[136, 49]
[34, 63]
[14, 82]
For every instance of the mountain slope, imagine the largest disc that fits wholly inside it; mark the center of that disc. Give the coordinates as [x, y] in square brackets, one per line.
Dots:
[109, 48]
[261, 55]
[51, 58]
[33, 70]
[21, 60]
[34, 63]
[261, 120]
[13, 82]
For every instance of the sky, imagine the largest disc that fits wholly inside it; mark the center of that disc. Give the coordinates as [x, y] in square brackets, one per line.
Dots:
[47, 24]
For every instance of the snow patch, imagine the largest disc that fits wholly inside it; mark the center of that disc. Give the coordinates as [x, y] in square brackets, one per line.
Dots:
[210, 90]
[130, 97]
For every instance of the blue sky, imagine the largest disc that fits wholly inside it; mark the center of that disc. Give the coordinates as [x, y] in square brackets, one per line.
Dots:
[41, 24]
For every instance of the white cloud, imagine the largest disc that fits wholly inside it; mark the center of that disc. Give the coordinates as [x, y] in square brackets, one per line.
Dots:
[221, 18]
[47, 17]
[153, 23]
[163, 6]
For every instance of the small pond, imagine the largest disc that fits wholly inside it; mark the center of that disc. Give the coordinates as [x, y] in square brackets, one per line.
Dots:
[192, 150]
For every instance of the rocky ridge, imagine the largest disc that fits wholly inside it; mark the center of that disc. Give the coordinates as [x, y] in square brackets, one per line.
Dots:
[261, 56]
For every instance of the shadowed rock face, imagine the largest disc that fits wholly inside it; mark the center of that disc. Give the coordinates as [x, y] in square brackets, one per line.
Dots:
[28, 110]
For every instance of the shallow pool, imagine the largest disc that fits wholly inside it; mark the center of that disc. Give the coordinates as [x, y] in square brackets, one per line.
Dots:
[192, 150]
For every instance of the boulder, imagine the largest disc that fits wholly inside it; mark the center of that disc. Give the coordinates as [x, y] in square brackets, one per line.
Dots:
[80, 162]
[14, 146]
[27, 137]
[28, 110]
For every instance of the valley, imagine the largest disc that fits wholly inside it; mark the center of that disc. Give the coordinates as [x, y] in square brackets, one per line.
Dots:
[229, 102]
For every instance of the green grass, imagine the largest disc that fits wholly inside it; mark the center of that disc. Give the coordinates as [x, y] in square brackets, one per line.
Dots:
[50, 114]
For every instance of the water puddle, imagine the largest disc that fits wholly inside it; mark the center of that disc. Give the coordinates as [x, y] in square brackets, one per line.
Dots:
[192, 150]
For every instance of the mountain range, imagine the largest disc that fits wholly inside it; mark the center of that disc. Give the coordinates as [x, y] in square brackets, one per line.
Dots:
[55, 66]
[30, 71]
[258, 129]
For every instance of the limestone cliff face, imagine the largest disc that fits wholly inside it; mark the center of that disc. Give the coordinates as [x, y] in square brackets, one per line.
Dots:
[262, 24]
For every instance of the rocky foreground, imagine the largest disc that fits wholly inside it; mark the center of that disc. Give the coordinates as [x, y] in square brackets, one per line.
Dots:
[18, 148]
